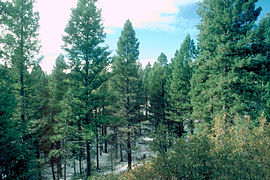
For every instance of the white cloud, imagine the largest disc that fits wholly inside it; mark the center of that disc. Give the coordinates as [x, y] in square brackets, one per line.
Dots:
[153, 14]
[54, 15]
[142, 13]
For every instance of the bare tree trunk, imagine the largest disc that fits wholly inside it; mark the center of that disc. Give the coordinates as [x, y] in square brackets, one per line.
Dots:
[101, 142]
[80, 163]
[21, 71]
[52, 168]
[80, 144]
[65, 168]
[58, 162]
[74, 163]
[115, 143]
[121, 152]
[129, 151]
[38, 157]
[106, 141]
[97, 149]
[88, 160]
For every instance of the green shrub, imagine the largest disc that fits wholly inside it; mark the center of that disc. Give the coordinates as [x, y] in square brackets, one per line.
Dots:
[225, 151]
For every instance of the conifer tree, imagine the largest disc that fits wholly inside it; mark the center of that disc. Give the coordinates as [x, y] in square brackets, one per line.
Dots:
[58, 89]
[146, 90]
[84, 34]
[126, 81]
[221, 85]
[179, 89]
[13, 154]
[19, 48]
[20, 43]
[157, 85]
[261, 65]
[38, 113]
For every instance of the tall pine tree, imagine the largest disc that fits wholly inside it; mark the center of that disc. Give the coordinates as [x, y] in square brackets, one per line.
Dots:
[19, 48]
[83, 39]
[261, 64]
[126, 82]
[14, 155]
[157, 85]
[179, 89]
[21, 43]
[221, 85]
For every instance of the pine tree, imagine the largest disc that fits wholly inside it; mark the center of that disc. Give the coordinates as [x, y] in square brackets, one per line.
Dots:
[261, 64]
[58, 89]
[146, 90]
[19, 47]
[157, 85]
[38, 113]
[179, 89]
[84, 34]
[126, 81]
[9, 141]
[21, 43]
[221, 85]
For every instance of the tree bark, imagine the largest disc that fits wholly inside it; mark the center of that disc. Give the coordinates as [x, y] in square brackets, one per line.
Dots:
[115, 142]
[80, 163]
[106, 141]
[81, 146]
[74, 162]
[65, 168]
[52, 168]
[97, 148]
[58, 161]
[121, 152]
[88, 159]
[129, 123]
[129, 151]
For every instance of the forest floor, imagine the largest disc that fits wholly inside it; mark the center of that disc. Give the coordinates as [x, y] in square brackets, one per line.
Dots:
[142, 151]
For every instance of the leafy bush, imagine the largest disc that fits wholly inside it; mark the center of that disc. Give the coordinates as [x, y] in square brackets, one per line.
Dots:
[235, 150]
[144, 171]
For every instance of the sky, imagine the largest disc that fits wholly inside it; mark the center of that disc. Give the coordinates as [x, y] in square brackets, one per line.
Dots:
[160, 25]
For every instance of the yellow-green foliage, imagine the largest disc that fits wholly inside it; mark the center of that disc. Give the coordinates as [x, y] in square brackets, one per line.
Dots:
[144, 171]
[227, 150]
[240, 150]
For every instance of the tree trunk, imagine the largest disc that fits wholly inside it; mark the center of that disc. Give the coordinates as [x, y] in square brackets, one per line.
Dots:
[38, 157]
[58, 161]
[106, 141]
[101, 142]
[74, 163]
[115, 142]
[81, 146]
[146, 108]
[97, 149]
[80, 163]
[180, 129]
[65, 168]
[88, 159]
[121, 152]
[21, 71]
[52, 168]
[128, 107]
[74, 167]
[129, 151]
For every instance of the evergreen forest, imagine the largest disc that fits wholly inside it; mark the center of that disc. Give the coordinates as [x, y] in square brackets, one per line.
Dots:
[205, 114]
